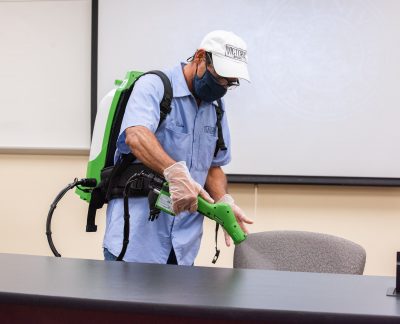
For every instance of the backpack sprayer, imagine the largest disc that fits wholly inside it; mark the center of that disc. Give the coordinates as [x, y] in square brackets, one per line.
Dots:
[105, 181]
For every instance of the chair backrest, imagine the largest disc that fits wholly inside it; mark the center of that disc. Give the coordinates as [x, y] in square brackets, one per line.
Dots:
[299, 251]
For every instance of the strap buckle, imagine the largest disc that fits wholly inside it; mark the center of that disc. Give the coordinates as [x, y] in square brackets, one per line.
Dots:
[215, 258]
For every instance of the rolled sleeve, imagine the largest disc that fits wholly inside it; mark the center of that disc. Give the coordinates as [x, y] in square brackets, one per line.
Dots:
[143, 108]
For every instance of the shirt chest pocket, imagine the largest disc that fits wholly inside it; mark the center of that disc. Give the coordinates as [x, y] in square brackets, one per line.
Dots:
[176, 143]
[205, 151]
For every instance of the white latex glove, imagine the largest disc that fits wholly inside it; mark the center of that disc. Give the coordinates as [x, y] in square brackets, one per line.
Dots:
[241, 218]
[183, 189]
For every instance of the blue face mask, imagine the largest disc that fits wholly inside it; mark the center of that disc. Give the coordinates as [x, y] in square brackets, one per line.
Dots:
[207, 87]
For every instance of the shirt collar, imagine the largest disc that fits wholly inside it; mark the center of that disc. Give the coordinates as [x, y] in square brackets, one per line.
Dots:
[179, 85]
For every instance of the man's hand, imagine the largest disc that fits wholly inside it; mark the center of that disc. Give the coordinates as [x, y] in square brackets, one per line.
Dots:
[183, 189]
[241, 218]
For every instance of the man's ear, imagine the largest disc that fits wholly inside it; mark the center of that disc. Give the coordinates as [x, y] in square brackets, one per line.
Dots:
[199, 55]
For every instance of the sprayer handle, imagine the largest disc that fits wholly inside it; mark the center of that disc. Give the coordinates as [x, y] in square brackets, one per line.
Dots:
[223, 214]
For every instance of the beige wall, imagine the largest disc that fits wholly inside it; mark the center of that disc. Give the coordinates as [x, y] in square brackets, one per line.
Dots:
[368, 216]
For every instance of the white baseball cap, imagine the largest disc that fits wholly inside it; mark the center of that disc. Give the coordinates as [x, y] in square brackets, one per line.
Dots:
[229, 54]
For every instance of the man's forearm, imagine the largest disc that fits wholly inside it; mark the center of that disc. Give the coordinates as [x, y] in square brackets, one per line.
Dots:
[216, 183]
[147, 148]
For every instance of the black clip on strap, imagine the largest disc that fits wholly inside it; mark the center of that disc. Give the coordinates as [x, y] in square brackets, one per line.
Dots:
[90, 223]
[217, 252]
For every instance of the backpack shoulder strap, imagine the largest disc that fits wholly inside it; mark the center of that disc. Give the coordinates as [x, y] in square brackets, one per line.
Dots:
[220, 141]
[165, 104]
[165, 109]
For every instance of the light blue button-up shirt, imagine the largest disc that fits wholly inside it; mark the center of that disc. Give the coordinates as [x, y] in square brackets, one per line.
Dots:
[189, 134]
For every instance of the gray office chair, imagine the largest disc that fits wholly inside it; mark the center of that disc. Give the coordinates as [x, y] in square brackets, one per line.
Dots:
[299, 251]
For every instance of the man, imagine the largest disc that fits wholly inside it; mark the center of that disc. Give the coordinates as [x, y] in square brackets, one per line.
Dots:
[182, 149]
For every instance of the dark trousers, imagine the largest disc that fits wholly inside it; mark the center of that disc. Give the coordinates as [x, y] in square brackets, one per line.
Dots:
[108, 256]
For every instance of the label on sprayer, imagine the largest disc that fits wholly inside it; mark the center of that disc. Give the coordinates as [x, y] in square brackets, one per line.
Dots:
[164, 202]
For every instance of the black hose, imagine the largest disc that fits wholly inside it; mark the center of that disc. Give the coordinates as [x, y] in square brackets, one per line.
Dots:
[84, 182]
[127, 216]
[155, 182]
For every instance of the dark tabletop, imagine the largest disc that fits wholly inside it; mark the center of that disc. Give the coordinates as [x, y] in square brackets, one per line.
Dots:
[206, 292]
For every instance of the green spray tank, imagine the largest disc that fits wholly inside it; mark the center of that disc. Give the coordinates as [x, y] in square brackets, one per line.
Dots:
[101, 144]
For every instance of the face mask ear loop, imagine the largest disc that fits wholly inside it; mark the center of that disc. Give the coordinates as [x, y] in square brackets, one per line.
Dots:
[209, 57]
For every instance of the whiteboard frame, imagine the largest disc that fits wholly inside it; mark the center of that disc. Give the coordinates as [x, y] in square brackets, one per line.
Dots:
[240, 178]
[74, 150]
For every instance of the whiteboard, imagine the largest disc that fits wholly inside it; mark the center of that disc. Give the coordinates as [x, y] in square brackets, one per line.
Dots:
[324, 98]
[45, 75]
